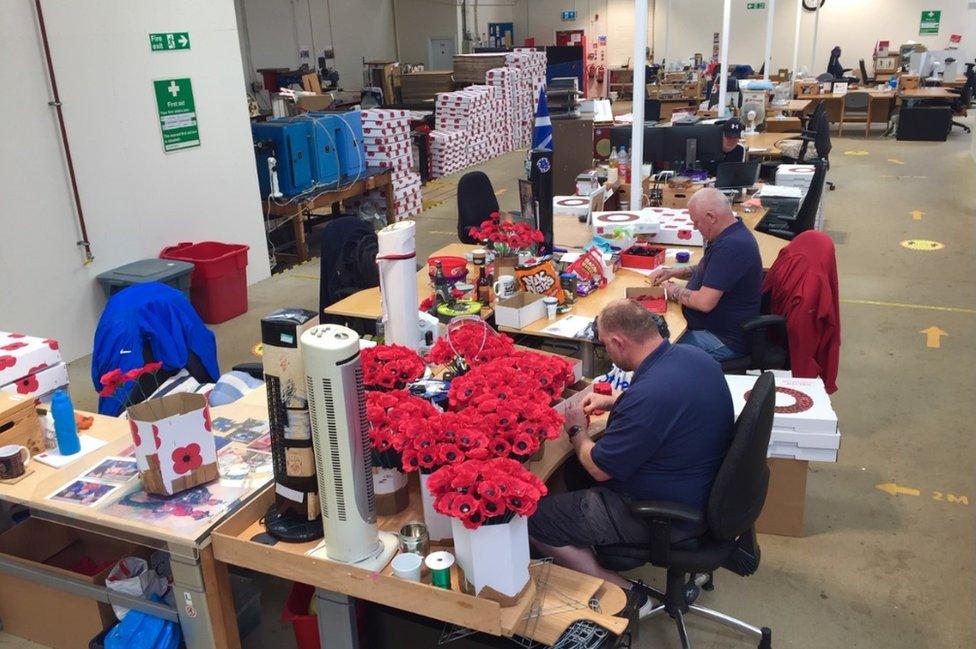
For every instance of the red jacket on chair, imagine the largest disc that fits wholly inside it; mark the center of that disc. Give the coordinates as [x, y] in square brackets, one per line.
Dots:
[802, 285]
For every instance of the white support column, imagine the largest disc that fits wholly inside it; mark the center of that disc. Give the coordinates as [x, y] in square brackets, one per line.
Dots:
[637, 128]
[796, 39]
[768, 61]
[813, 52]
[667, 35]
[724, 56]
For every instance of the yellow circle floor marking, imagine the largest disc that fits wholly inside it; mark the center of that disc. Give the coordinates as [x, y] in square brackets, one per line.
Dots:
[922, 244]
[258, 350]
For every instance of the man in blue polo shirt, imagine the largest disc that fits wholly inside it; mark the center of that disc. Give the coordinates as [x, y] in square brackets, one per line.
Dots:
[725, 288]
[665, 440]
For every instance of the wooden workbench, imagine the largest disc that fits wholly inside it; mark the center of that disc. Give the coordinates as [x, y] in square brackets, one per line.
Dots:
[935, 93]
[198, 578]
[300, 208]
[763, 145]
[880, 104]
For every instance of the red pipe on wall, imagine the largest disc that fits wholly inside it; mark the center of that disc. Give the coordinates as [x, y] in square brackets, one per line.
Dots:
[56, 103]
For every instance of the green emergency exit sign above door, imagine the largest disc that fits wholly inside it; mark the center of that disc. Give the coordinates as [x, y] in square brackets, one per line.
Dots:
[755, 5]
[163, 41]
[930, 22]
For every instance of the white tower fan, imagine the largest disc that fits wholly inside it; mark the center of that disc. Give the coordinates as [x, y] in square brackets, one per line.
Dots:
[340, 437]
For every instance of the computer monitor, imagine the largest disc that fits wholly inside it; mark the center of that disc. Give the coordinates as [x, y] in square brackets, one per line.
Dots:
[688, 144]
[736, 175]
[653, 142]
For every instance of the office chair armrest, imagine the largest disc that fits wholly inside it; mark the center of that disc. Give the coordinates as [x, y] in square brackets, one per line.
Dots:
[782, 234]
[256, 370]
[669, 511]
[763, 322]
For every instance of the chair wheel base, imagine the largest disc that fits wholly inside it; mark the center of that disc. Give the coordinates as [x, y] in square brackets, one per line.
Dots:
[767, 638]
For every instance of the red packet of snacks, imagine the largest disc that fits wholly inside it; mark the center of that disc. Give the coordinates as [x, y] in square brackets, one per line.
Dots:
[589, 267]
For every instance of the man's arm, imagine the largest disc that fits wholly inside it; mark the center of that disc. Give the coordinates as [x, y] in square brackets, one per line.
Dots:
[663, 274]
[584, 451]
[704, 299]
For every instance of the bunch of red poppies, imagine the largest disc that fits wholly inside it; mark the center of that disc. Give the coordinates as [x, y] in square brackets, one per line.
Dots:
[395, 417]
[485, 492]
[390, 367]
[507, 238]
[475, 343]
[114, 379]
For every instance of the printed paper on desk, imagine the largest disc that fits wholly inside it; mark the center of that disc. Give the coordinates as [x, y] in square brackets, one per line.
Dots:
[571, 326]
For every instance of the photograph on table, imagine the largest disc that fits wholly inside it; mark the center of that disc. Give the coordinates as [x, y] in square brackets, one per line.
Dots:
[180, 513]
[114, 470]
[239, 465]
[83, 492]
[262, 443]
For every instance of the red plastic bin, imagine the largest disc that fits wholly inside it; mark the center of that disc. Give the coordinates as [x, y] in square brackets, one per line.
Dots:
[305, 626]
[218, 286]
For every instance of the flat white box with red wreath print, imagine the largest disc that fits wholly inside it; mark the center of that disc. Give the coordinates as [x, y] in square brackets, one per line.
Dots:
[23, 357]
[804, 424]
[174, 443]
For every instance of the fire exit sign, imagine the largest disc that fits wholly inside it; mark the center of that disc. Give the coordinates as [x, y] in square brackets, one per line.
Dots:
[163, 41]
[755, 5]
[930, 22]
[569, 16]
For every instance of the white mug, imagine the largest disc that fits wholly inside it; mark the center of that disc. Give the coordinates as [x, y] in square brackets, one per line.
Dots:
[407, 566]
[504, 286]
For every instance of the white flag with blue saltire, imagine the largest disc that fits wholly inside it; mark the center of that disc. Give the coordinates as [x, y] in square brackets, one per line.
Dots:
[542, 134]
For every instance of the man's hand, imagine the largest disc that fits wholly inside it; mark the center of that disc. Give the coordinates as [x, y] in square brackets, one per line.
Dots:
[662, 274]
[576, 417]
[594, 401]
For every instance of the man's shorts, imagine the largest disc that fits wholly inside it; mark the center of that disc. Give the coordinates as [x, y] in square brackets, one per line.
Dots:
[587, 517]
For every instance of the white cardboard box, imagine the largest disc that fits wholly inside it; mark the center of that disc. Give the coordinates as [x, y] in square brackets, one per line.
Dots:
[676, 228]
[520, 310]
[22, 355]
[639, 222]
[803, 405]
[40, 383]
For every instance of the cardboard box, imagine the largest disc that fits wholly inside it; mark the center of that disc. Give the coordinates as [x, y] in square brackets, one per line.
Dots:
[676, 194]
[652, 258]
[315, 102]
[22, 355]
[174, 443]
[520, 310]
[909, 82]
[573, 395]
[40, 383]
[805, 88]
[45, 615]
[656, 292]
[624, 192]
[784, 512]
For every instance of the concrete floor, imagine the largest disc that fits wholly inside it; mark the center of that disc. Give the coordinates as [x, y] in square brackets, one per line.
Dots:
[874, 569]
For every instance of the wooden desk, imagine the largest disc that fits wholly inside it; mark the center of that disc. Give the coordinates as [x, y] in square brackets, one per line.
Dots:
[299, 208]
[793, 107]
[936, 93]
[763, 144]
[197, 575]
[784, 125]
[668, 106]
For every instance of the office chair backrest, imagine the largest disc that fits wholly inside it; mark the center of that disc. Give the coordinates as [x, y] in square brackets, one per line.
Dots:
[826, 76]
[739, 491]
[652, 110]
[857, 101]
[864, 72]
[476, 200]
[806, 216]
[822, 136]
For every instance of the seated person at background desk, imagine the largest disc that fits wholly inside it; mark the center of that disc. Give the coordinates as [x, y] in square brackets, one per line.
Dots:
[665, 440]
[732, 148]
[724, 289]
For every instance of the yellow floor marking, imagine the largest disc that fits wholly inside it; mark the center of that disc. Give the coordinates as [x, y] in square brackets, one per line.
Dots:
[917, 215]
[258, 350]
[895, 161]
[933, 337]
[313, 277]
[903, 305]
[922, 244]
[501, 191]
[856, 153]
[895, 490]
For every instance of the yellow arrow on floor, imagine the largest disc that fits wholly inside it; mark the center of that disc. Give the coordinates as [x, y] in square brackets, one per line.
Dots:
[895, 161]
[933, 337]
[856, 153]
[895, 490]
[917, 215]
[501, 191]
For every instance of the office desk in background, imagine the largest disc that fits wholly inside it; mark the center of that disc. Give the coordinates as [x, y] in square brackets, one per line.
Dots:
[880, 105]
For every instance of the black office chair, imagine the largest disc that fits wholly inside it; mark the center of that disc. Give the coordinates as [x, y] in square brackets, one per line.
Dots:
[818, 132]
[769, 343]
[476, 201]
[806, 216]
[865, 79]
[729, 540]
[652, 110]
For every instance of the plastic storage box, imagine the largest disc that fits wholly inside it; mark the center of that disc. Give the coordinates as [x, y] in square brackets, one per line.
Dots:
[166, 271]
[218, 288]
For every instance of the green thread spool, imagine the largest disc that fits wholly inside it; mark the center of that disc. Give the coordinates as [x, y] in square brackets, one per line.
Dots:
[440, 564]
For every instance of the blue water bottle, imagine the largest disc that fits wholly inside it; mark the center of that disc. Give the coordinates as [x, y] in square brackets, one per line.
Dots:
[65, 428]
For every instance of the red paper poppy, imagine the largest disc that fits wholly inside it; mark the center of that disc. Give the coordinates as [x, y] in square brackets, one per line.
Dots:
[27, 385]
[132, 375]
[187, 458]
[153, 367]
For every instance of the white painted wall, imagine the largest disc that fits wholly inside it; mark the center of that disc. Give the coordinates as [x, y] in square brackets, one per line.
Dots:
[855, 25]
[136, 198]
[355, 29]
[613, 18]
[417, 21]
